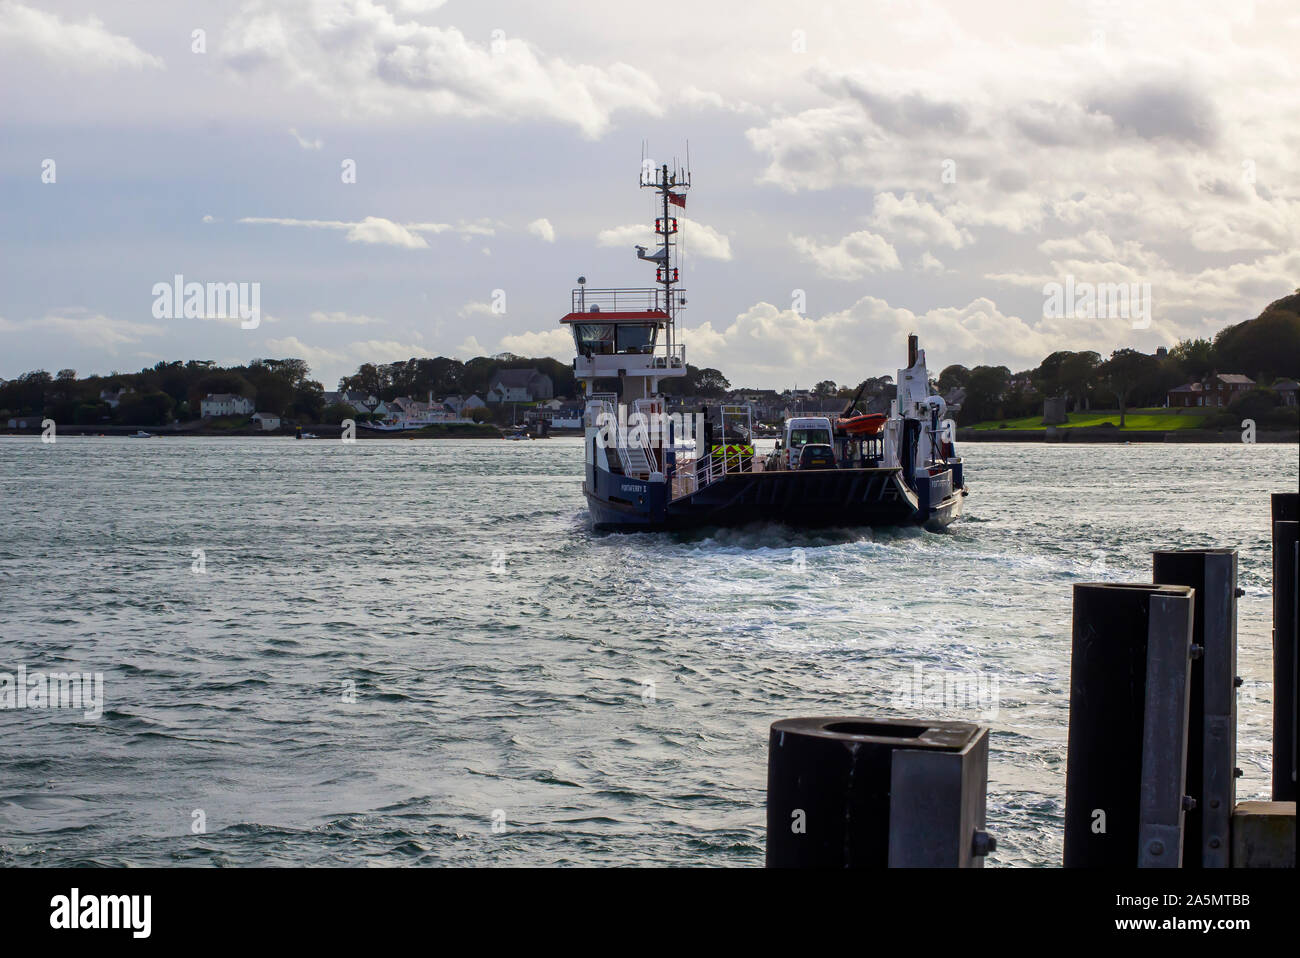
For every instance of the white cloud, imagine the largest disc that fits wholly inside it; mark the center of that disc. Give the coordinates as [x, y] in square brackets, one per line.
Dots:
[85, 45]
[82, 327]
[695, 238]
[543, 229]
[467, 229]
[344, 319]
[1178, 295]
[470, 348]
[474, 309]
[329, 363]
[305, 143]
[853, 257]
[1173, 150]
[557, 343]
[628, 235]
[692, 96]
[698, 239]
[386, 350]
[366, 58]
[415, 6]
[915, 221]
[995, 151]
[377, 229]
[929, 263]
[769, 346]
[317, 357]
[1048, 135]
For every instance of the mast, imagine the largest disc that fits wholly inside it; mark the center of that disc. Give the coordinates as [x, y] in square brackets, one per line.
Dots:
[668, 183]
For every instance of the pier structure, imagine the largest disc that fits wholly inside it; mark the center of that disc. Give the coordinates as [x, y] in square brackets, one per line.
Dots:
[869, 793]
[1151, 757]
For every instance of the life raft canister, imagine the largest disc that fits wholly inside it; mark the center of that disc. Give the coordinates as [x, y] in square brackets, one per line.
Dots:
[865, 425]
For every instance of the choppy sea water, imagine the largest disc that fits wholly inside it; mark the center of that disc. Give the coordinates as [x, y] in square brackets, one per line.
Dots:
[417, 652]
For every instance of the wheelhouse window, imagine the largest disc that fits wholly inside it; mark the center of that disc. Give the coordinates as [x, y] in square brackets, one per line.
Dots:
[594, 338]
[636, 339]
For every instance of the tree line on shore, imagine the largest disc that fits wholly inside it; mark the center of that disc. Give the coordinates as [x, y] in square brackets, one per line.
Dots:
[173, 391]
[1265, 348]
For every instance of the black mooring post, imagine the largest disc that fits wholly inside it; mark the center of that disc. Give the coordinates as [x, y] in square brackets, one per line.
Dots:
[1127, 754]
[1212, 716]
[870, 793]
[1286, 625]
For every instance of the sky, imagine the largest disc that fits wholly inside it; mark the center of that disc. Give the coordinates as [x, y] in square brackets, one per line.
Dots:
[861, 170]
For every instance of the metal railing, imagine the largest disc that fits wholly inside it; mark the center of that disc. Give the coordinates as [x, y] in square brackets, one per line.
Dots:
[638, 460]
[625, 300]
[670, 357]
[694, 474]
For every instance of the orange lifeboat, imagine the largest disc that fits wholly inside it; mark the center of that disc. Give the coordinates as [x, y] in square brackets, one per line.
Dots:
[866, 425]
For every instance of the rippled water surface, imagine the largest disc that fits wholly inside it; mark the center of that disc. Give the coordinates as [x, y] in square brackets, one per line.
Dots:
[604, 699]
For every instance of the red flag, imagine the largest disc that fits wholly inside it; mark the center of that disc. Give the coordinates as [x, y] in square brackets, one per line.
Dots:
[677, 200]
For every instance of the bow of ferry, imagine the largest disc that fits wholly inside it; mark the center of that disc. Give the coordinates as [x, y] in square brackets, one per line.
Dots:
[649, 468]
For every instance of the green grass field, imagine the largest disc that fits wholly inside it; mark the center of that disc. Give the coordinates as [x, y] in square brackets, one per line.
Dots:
[1166, 420]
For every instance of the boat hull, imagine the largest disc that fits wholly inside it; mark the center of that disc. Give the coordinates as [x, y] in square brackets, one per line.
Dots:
[809, 498]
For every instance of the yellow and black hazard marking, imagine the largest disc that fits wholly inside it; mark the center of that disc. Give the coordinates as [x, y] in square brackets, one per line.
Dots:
[732, 450]
[733, 454]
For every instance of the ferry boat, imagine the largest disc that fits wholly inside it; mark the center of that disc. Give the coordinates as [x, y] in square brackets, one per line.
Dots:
[648, 469]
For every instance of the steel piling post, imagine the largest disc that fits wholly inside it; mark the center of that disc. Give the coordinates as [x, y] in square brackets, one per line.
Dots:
[1127, 753]
[1212, 724]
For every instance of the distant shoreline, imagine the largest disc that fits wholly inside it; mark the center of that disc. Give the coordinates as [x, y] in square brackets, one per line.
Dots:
[1085, 434]
[317, 431]
[1078, 435]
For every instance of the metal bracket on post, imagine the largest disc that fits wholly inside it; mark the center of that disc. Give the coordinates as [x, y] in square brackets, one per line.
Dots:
[1286, 625]
[1164, 732]
[1212, 727]
[936, 806]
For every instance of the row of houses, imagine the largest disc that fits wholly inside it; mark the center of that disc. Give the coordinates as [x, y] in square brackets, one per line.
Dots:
[404, 408]
[212, 406]
[216, 405]
[1221, 389]
[507, 385]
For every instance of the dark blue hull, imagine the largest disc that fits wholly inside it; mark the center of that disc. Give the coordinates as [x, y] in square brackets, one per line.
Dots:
[812, 498]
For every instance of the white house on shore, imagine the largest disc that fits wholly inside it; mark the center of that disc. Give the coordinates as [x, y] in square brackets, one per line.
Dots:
[269, 421]
[519, 385]
[225, 404]
[464, 405]
[113, 396]
[361, 402]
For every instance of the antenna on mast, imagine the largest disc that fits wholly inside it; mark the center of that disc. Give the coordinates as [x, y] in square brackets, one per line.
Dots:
[671, 185]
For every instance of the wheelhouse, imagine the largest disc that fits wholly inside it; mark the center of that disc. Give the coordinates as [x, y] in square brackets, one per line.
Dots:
[608, 334]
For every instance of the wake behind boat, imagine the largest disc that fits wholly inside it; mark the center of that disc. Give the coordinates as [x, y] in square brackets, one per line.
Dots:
[854, 469]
